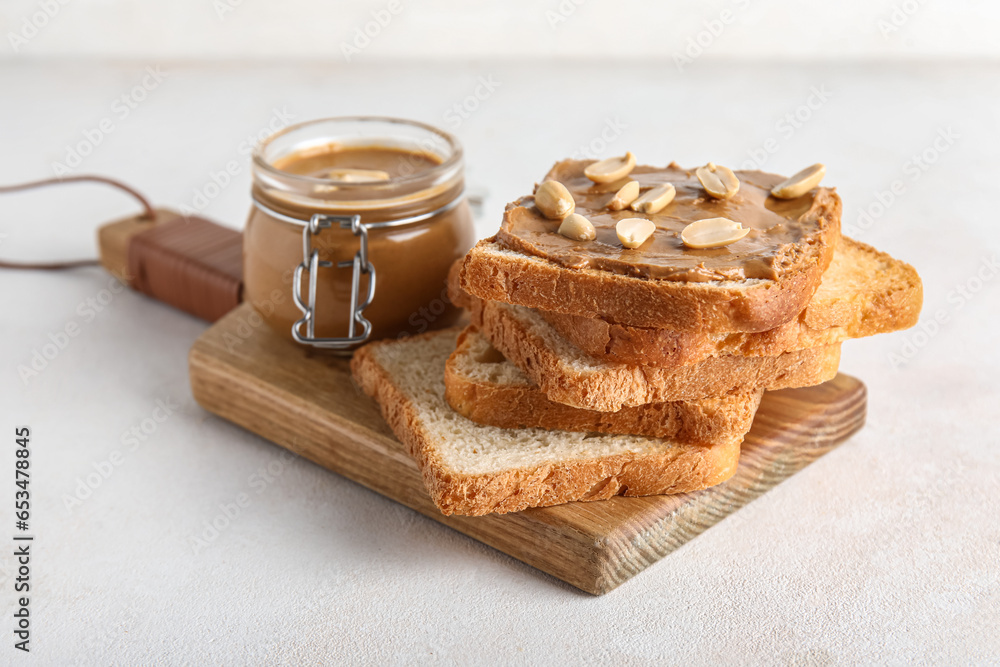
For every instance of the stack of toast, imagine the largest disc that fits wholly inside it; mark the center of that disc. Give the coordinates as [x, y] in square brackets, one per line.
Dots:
[625, 323]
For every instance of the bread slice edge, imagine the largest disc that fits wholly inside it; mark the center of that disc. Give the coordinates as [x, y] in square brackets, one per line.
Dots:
[672, 469]
[499, 401]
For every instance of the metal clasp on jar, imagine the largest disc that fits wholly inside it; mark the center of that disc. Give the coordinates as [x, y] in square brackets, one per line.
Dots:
[312, 263]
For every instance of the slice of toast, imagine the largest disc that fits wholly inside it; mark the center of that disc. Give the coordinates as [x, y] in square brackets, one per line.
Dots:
[483, 386]
[569, 376]
[864, 292]
[513, 266]
[473, 469]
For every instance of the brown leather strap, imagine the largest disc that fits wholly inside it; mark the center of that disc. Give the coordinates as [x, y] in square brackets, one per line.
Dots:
[148, 214]
[190, 263]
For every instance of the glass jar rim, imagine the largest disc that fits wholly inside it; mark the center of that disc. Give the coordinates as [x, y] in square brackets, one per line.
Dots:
[448, 163]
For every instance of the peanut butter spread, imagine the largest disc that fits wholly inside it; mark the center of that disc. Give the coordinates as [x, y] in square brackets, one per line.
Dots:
[411, 261]
[784, 236]
[318, 161]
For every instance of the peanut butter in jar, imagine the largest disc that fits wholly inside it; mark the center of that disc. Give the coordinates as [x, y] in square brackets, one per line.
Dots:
[361, 209]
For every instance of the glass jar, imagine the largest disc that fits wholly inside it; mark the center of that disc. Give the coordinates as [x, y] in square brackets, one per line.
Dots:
[355, 224]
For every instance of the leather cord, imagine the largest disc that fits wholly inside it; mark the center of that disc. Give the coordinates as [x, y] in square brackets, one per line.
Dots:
[148, 214]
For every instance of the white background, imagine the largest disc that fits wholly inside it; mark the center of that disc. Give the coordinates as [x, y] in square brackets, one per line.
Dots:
[446, 29]
[886, 550]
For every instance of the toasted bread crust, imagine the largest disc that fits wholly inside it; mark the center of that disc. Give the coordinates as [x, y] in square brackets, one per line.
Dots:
[526, 406]
[676, 469]
[495, 273]
[608, 387]
[889, 301]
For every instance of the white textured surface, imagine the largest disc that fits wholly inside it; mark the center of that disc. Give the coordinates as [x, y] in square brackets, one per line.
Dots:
[372, 30]
[884, 551]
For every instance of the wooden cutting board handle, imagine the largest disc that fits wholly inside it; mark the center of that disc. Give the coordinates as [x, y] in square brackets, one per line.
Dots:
[113, 239]
[189, 262]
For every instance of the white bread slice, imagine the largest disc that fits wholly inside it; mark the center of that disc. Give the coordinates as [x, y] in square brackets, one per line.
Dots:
[473, 469]
[495, 271]
[569, 376]
[863, 293]
[483, 386]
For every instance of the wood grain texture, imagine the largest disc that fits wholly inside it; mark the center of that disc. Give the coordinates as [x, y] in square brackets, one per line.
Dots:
[113, 239]
[306, 401]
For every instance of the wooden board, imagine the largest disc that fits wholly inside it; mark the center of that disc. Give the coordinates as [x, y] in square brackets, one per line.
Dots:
[113, 239]
[306, 401]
